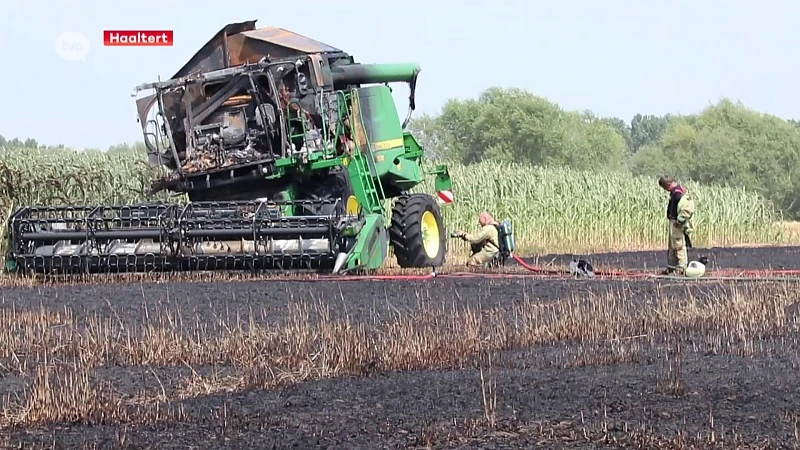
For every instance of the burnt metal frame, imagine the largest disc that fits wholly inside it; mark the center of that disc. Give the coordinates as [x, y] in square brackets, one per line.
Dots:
[175, 229]
[91, 229]
[196, 115]
[237, 77]
[168, 128]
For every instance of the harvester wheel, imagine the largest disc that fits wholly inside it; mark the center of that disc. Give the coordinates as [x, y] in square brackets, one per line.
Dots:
[417, 232]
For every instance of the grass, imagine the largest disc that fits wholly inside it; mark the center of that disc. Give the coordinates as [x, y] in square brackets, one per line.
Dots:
[553, 210]
[76, 369]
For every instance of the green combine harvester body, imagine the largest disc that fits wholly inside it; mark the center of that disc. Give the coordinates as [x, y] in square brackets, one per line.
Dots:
[286, 151]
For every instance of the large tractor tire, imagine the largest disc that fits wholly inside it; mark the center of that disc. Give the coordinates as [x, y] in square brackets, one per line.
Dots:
[417, 232]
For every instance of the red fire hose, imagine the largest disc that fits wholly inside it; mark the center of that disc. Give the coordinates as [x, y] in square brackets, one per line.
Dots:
[540, 272]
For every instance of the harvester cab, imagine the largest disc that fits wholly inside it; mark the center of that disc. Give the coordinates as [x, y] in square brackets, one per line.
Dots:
[287, 155]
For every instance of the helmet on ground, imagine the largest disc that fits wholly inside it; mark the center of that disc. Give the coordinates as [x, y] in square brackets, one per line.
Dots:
[695, 269]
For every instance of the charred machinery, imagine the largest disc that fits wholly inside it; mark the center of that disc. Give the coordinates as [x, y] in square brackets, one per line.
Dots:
[289, 154]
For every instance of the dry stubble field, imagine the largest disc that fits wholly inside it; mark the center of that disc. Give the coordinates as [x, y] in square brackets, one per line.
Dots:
[467, 363]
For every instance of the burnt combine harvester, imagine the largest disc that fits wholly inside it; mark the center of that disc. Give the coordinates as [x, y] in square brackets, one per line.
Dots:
[287, 150]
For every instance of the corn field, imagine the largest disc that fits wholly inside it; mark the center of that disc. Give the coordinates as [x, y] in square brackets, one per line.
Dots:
[564, 210]
[553, 210]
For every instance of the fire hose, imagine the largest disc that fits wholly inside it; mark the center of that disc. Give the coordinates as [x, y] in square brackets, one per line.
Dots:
[534, 271]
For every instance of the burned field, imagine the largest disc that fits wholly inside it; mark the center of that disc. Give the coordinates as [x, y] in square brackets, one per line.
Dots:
[720, 258]
[475, 363]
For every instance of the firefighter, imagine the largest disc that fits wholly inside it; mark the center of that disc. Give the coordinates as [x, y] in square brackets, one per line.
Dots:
[680, 210]
[485, 243]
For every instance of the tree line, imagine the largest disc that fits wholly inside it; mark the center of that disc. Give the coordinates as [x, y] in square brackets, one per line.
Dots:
[33, 144]
[19, 143]
[727, 143]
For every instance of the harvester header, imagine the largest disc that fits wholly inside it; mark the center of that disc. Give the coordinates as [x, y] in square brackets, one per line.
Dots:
[287, 153]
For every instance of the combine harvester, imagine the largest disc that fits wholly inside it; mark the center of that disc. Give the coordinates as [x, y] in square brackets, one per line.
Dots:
[287, 150]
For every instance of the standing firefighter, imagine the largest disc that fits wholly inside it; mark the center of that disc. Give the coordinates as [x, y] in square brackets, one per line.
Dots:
[485, 243]
[679, 213]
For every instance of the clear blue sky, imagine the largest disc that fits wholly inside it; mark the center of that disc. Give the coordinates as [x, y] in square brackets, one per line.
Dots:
[615, 58]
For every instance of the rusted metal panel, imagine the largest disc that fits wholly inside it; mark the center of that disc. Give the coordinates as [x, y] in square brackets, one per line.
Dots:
[244, 48]
[239, 43]
[290, 40]
[213, 55]
[317, 64]
[143, 106]
[241, 52]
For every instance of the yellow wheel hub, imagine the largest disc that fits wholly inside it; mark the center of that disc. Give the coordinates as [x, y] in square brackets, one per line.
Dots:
[430, 234]
[352, 205]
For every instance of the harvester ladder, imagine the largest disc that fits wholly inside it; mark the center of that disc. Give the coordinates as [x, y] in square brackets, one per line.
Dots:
[299, 119]
[365, 162]
[366, 178]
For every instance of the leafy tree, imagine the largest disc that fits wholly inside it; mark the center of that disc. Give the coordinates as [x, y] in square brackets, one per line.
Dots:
[18, 143]
[729, 144]
[622, 128]
[427, 130]
[647, 129]
[515, 125]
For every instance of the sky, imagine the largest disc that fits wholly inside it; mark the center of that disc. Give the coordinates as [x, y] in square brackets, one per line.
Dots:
[612, 57]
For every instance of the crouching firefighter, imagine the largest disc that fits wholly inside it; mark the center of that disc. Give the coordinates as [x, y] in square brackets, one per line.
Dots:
[493, 240]
[485, 243]
[680, 210]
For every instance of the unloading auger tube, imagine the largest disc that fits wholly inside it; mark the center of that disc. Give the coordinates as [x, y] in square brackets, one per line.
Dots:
[237, 235]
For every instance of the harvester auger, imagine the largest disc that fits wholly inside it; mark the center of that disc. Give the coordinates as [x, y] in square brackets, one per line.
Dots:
[286, 152]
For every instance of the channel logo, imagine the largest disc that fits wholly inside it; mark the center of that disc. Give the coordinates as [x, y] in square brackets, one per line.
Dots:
[72, 46]
[138, 38]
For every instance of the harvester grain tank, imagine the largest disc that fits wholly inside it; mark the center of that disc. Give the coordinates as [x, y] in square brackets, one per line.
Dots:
[287, 152]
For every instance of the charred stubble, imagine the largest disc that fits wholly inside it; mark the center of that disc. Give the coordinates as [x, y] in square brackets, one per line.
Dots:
[407, 364]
